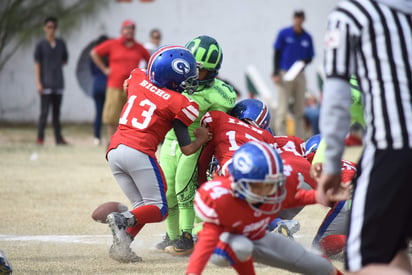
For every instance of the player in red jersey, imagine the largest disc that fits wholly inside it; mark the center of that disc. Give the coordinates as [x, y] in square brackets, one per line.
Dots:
[330, 238]
[154, 106]
[331, 235]
[253, 193]
[248, 121]
[228, 134]
[292, 144]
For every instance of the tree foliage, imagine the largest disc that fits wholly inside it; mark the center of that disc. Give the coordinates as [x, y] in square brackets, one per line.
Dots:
[21, 21]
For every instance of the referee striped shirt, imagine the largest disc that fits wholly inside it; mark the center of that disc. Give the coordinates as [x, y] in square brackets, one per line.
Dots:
[374, 42]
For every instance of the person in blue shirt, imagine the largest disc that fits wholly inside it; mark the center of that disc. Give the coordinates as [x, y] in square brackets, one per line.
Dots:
[292, 44]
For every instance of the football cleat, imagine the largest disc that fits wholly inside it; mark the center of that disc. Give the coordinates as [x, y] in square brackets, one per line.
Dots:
[123, 255]
[288, 227]
[165, 243]
[120, 249]
[183, 246]
[5, 266]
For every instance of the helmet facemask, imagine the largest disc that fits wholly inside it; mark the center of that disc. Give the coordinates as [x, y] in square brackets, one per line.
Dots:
[258, 178]
[189, 85]
[244, 189]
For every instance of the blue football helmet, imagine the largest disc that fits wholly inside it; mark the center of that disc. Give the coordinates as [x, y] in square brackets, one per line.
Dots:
[312, 144]
[253, 111]
[257, 162]
[174, 68]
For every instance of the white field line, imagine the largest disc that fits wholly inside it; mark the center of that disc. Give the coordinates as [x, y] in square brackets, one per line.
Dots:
[79, 239]
[86, 239]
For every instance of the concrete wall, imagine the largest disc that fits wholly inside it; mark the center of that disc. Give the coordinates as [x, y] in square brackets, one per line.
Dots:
[245, 29]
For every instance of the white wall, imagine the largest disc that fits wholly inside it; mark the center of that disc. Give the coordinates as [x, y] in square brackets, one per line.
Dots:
[245, 29]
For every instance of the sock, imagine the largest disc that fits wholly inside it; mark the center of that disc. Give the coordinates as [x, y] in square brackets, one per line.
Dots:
[172, 223]
[333, 244]
[244, 268]
[147, 214]
[134, 230]
[186, 219]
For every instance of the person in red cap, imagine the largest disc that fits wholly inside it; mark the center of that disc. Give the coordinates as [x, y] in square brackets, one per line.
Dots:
[124, 54]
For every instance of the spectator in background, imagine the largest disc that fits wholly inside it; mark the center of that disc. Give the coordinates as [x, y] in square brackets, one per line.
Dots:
[154, 41]
[50, 55]
[291, 45]
[124, 54]
[155, 37]
[312, 112]
[98, 92]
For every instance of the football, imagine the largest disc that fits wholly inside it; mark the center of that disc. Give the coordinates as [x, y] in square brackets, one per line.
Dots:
[101, 212]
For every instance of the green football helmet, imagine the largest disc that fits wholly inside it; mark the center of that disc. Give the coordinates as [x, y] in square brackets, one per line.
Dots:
[208, 55]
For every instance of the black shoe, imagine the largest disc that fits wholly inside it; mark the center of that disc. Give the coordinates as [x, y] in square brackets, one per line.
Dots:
[62, 141]
[165, 243]
[5, 266]
[183, 246]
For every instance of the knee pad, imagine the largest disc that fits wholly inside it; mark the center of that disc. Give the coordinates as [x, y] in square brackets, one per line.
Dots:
[219, 260]
[241, 246]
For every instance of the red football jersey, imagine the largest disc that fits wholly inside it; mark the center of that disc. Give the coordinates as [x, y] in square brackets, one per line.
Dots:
[222, 212]
[300, 186]
[229, 133]
[148, 114]
[348, 170]
[215, 203]
[291, 144]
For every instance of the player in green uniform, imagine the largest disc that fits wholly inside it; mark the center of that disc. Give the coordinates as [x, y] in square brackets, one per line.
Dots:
[180, 170]
[357, 120]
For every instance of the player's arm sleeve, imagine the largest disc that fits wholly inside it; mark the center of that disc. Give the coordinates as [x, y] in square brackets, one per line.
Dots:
[182, 134]
[338, 65]
[207, 240]
[320, 153]
[204, 160]
[225, 99]
[335, 121]
[188, 112]
[304, 197]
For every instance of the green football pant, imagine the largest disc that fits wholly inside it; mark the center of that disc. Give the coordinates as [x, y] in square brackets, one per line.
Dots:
[181, 176]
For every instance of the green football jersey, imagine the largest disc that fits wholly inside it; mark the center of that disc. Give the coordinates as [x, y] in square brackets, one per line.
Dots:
[356, 108]
[356, 114]
[218, 97]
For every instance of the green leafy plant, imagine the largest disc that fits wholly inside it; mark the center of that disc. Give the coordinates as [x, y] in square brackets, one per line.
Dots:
[21, 21]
